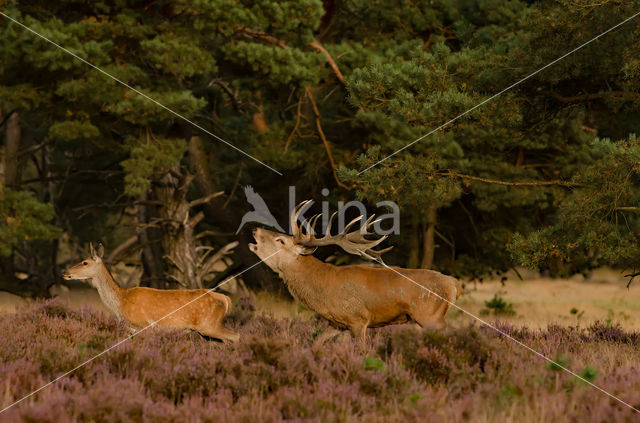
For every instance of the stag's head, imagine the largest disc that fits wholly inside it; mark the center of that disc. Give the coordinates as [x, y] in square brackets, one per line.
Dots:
[279, 250]
[88, 267]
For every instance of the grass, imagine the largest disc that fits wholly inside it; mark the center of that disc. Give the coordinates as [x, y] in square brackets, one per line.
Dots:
[277, 373]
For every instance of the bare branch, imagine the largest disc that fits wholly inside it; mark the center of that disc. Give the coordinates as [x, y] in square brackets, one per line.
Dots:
[205, 199]
[324, 140]
[319, 47]
[295, 128]
[235, 186]
[629, 209]
[122, 247]
[556, 182]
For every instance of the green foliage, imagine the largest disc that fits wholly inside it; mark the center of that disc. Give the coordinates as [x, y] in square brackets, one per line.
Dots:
[543, 176]
[499, 307]
[373, 363]
[578, 313]
[150, 160]
[559, 361]
[73, 130]
[23, 218]
[597, 222]
[590, 373]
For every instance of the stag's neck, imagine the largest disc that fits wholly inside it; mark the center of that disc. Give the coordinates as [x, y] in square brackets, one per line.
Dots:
[308, 281]
[110, 292]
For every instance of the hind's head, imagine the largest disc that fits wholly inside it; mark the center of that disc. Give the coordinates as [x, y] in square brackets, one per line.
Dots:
[88, 267]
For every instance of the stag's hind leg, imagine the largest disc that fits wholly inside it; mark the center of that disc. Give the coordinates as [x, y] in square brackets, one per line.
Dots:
[428, 318]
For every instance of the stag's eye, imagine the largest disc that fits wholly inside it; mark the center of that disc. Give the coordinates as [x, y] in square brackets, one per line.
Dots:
[281, 241]
[85, 263]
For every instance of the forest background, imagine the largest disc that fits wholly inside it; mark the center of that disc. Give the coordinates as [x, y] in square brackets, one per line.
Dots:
[547, 176]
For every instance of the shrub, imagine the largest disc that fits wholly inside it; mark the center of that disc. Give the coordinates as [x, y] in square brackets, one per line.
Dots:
[275, 372]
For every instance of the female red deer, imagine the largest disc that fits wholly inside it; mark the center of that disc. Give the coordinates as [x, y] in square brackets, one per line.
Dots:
[356, 296]
[197, 309]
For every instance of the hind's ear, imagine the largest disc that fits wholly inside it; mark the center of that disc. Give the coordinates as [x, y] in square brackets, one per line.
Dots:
[92, 250]
[100, 250]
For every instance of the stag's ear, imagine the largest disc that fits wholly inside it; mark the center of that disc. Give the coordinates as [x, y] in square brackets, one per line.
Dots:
[100, 250]
[305, 251]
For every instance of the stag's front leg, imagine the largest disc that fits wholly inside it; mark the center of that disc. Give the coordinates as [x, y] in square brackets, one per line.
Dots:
[359, 330]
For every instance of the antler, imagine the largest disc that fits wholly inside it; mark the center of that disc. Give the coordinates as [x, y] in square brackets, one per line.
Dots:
[351, 242]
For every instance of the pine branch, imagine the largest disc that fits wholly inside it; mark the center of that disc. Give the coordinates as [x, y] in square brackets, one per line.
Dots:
[334, 66]
[556, 182]
[324, 140]
[630, 95]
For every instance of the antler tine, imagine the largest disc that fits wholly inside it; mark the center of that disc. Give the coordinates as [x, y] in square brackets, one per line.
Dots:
[369, 223]
[328, 232]
[308, 228]
[313, 221]
[350, 224]
[375, 255]
[354, 242]
[295, 229]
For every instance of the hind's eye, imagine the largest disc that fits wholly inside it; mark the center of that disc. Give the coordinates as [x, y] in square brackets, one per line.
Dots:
[85, 263]
[281, 241]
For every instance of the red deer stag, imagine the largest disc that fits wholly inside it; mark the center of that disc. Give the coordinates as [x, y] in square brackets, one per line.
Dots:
[355, 296]
[196, 309]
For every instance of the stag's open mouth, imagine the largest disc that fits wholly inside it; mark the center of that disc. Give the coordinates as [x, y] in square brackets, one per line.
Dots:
[253, 247]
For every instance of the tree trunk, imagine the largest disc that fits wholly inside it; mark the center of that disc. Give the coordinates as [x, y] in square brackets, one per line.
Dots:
[414, 244]
[218, 215]
[428, 240]
[177, 231]
[152, 263]
[9, 180]
[11, 149]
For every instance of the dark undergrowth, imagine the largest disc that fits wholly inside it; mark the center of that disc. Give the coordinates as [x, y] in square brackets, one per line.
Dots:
[276, 373]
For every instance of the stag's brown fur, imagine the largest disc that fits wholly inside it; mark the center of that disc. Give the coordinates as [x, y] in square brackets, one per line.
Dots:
[141, 306]
[357, 297]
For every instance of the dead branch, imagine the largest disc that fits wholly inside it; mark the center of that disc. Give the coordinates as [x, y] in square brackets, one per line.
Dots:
[212, 233]
[122, 247]
[235, 186]
[631, 277]
[205, 199]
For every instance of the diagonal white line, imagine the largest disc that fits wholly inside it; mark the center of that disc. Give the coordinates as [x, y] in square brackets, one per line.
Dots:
[134, 334]
[140, 93]
[500, 93]
[503, 333]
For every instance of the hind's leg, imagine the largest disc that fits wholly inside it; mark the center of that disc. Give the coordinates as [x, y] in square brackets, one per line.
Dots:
[213, 327]
[220, 333]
